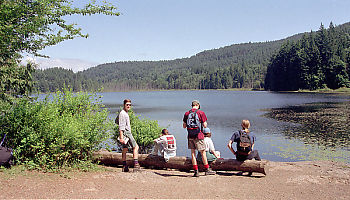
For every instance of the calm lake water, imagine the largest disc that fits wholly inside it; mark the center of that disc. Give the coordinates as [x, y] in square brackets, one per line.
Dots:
[225, 110]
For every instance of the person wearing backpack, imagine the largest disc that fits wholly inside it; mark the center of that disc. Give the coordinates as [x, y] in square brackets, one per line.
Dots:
[245, 144]
[194, 120]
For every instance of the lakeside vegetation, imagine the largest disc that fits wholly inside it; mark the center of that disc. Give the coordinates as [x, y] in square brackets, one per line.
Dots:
[65, 128]
[324, 130]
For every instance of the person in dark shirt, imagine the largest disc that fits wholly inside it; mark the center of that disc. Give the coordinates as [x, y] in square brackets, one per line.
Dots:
[244, 150]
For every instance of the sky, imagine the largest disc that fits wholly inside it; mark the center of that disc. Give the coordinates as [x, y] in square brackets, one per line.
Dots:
[170, 29]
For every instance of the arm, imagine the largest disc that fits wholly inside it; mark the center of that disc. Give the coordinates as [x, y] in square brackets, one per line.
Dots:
[254, 138]
[229, 145]
[122, 125]
[158, 140]
[215, 154]
[212, 148]
[184, 120]
[204, 120]
[205, 124]
[121, 138]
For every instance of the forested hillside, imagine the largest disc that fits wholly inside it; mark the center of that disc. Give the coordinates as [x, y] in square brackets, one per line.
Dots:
[235, 66]
[320, 59]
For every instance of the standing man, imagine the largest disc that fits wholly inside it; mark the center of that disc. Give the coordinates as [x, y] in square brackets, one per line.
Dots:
[126, 138]
[194, 120]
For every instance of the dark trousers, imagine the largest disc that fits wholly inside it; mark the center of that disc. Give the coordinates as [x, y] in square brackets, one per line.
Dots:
[253, 154]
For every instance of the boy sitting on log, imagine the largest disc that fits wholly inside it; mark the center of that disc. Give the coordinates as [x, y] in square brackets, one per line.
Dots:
[165, 145]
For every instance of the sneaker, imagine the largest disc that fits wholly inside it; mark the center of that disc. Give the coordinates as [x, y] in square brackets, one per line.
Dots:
[137, 167]
[196, 173]
[125, 168]
[210, 172]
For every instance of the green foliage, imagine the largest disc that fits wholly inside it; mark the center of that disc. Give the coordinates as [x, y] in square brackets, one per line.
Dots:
[143, 130]
[29, 26]
[318, 60]
[61, 130]
[49, 80]
[15, 81]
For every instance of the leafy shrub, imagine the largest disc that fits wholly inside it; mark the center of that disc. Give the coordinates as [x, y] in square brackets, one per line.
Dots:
[143, 130]
[59, 131]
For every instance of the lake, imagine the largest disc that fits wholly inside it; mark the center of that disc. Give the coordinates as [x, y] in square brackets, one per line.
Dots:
[225, 110]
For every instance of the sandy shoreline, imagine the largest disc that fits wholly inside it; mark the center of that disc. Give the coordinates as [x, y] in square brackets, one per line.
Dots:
[291, 180]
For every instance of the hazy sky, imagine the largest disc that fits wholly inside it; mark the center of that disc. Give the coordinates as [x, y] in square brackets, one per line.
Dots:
[170, 29]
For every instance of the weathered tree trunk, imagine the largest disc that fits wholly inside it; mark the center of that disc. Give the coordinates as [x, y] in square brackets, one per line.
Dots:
[180, 163]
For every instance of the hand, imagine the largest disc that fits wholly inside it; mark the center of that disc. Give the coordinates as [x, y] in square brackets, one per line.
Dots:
[234, 153]
[122, 141]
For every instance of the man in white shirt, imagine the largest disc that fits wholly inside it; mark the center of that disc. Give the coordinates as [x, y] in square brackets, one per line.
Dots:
[165, 145]
[126, 138]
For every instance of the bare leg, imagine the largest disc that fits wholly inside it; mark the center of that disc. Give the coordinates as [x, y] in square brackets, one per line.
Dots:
[204, 157]
[125, 166]
[124, 154]
[136, 152]
[194, 163]
[208, 171]
[193, 155]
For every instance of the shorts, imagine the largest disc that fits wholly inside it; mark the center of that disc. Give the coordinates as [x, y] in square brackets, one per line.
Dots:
[131, 143]
[210, 156]
[195, 143]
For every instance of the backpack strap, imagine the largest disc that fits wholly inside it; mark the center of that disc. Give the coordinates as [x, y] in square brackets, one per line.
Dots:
[195, 113]
[3, 139]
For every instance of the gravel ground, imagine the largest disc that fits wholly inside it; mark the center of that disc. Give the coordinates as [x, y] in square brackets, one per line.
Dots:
[284, 180]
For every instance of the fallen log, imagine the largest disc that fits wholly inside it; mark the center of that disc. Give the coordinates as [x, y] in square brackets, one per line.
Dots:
[180, 163]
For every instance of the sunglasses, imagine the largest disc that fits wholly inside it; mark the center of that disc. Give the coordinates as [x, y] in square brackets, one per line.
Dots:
[128, 104]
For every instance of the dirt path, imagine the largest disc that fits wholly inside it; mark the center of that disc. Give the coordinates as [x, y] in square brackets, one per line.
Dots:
[299, 180]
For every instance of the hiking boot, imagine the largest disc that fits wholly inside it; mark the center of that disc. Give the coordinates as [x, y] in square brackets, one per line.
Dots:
[137, 167]
[209, 172]
[196, 173]
[125, 168]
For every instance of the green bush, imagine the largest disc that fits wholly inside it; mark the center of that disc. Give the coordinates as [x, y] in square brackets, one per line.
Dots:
[143, 130]
[60, 131]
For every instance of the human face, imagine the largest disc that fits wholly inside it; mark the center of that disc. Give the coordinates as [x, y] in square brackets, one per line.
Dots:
[127, 106]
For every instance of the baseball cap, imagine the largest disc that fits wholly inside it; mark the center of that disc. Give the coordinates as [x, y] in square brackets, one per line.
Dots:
[206, 130]
[195, 103]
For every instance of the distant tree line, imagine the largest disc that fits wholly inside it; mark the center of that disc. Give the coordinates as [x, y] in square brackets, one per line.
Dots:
[319, 60]
[235, 66]
[53, 79]
[303, 61]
